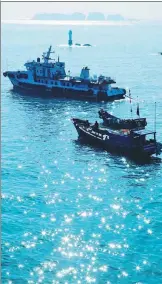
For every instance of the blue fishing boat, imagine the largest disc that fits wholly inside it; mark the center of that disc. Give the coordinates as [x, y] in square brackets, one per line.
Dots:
[116, 123]
[140, 143]
[49, 78]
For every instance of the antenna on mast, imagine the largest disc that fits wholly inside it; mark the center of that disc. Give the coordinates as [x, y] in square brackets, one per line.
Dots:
[46, 55]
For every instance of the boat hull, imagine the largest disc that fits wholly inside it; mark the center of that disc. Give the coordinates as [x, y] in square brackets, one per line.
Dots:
[121, 145]
[116, 123]
[62, 92]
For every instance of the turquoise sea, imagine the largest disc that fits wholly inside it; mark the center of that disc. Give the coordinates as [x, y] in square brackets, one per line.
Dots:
[72, 213]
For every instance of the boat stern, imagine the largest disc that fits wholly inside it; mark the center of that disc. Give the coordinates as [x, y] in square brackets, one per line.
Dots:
[150, 149]
[146, 141]
[116, 93]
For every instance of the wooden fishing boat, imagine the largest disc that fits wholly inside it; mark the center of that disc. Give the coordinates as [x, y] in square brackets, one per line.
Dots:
[140, 143]
[116, 123]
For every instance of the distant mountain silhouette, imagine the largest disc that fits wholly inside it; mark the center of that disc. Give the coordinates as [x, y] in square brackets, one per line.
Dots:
[116, 17]
[60, 17]
[78, 17]
[95, 16]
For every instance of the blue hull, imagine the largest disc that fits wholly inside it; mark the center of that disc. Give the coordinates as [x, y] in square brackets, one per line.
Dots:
[57, 92]
[117, 123]
[117, 143]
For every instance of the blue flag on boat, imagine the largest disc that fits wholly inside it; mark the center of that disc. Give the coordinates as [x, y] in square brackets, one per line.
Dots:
[138, 113]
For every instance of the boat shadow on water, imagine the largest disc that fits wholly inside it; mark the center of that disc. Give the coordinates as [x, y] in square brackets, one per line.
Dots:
[133, 158]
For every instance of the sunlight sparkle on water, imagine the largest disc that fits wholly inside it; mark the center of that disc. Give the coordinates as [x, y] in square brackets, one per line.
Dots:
[124, 273]
[115, 206]
[149, 232]
[43, 233]
[138, 268]
[90, 279]
[103, 268]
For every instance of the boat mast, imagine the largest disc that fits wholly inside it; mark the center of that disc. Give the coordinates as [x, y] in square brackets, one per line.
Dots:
[138, 112]
[130, 100]
[155, 119]
[155, 131]
[47, 57]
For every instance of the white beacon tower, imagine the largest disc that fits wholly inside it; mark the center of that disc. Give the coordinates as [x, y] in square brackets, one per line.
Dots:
[70, 42]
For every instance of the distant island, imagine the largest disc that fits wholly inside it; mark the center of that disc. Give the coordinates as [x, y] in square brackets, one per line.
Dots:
[95, 16]
[116, 17]
[60, 17]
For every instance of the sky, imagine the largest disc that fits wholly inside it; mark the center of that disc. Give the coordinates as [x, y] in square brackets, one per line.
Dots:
[136, 10]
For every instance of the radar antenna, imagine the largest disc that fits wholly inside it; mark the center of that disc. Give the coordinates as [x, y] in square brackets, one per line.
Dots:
[46, 56]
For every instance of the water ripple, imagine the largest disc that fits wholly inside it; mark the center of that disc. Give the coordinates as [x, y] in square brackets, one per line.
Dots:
[72, 213]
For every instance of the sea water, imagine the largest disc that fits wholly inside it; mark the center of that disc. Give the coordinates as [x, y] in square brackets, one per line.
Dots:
[72, 213]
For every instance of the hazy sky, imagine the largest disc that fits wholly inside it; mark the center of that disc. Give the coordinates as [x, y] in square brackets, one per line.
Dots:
[138, 10]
